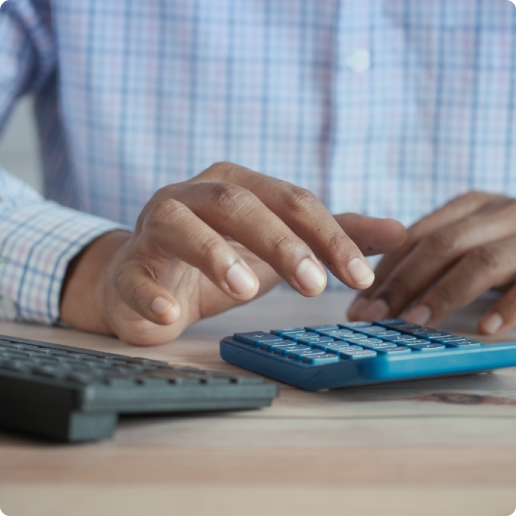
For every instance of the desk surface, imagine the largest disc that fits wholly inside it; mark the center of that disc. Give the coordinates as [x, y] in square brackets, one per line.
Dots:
[444, 446]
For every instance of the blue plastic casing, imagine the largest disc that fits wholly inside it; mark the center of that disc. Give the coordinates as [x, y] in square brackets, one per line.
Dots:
[344, 369]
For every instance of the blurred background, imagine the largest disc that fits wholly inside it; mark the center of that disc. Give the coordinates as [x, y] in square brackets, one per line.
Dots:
[19, 151]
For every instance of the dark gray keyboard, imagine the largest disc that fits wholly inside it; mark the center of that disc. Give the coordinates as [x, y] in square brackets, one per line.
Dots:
[76, 394]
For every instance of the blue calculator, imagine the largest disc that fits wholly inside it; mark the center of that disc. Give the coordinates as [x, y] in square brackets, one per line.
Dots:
[361, 353]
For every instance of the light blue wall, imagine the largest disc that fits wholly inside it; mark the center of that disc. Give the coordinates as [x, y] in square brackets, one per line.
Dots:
[18, 145]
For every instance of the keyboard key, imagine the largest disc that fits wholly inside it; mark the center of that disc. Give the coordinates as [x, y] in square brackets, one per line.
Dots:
[256, 337]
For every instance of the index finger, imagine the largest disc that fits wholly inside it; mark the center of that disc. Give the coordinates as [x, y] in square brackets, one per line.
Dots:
[306, 216]
[450, 213]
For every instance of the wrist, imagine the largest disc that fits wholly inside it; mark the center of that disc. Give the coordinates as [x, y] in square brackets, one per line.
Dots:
[83, 295]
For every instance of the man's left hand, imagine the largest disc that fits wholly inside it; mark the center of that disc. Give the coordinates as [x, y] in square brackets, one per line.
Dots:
[449, 259]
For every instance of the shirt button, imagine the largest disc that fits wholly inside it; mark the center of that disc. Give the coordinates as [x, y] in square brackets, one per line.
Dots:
[359, 61]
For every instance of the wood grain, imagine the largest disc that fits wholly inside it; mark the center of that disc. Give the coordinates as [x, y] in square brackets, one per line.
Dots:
[448, 442]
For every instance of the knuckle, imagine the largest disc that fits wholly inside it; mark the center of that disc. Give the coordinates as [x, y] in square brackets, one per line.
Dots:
[226, 196]
[297, 199]
[486, 257]
[210, 249]
[282, 245]
[443, 242]
[162, 211]
[338, 244]
[219, 169]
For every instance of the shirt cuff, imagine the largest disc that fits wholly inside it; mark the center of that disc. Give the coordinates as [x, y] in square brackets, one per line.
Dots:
[37, 242]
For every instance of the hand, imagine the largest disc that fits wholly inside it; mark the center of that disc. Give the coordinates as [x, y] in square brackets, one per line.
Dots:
[449, 259]
[211, 243]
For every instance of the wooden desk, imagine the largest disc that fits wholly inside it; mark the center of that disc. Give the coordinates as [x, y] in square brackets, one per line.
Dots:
[444, 447]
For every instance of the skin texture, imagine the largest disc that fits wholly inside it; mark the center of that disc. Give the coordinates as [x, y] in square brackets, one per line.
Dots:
[211, 243]
[449, 258]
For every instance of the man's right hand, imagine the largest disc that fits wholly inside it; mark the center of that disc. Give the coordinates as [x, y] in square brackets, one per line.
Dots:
[211, 243]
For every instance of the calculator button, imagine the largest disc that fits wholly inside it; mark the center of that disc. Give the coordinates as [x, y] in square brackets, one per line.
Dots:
[345, 349]
[427, 347]
[354, 338]
[423, 331]
[322, 327]
[396, 349]
[358, 354]
[379, 345]
[256, 337]
[370, 340]
[337, 334]
[390, 322]
[438, 336]
[355, 324]
[462, 343]
[320, 339]
[336, 345]
[308, 352]
[400, 338]
[378, 331]
[450, 340]
[415, 342]
[407, 327]
[371, 329]
[327, 358]
[303, 335]
[285, 350]
[286, 331]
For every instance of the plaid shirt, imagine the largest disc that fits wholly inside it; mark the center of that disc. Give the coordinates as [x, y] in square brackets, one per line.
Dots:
[383, 107]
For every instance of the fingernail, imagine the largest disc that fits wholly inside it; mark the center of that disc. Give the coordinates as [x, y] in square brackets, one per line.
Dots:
[378, 309]
[239, 279]
[418, 315]
[360, 272]
[357, 307]
[492, 323]
[309, 275]
[160, 305]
